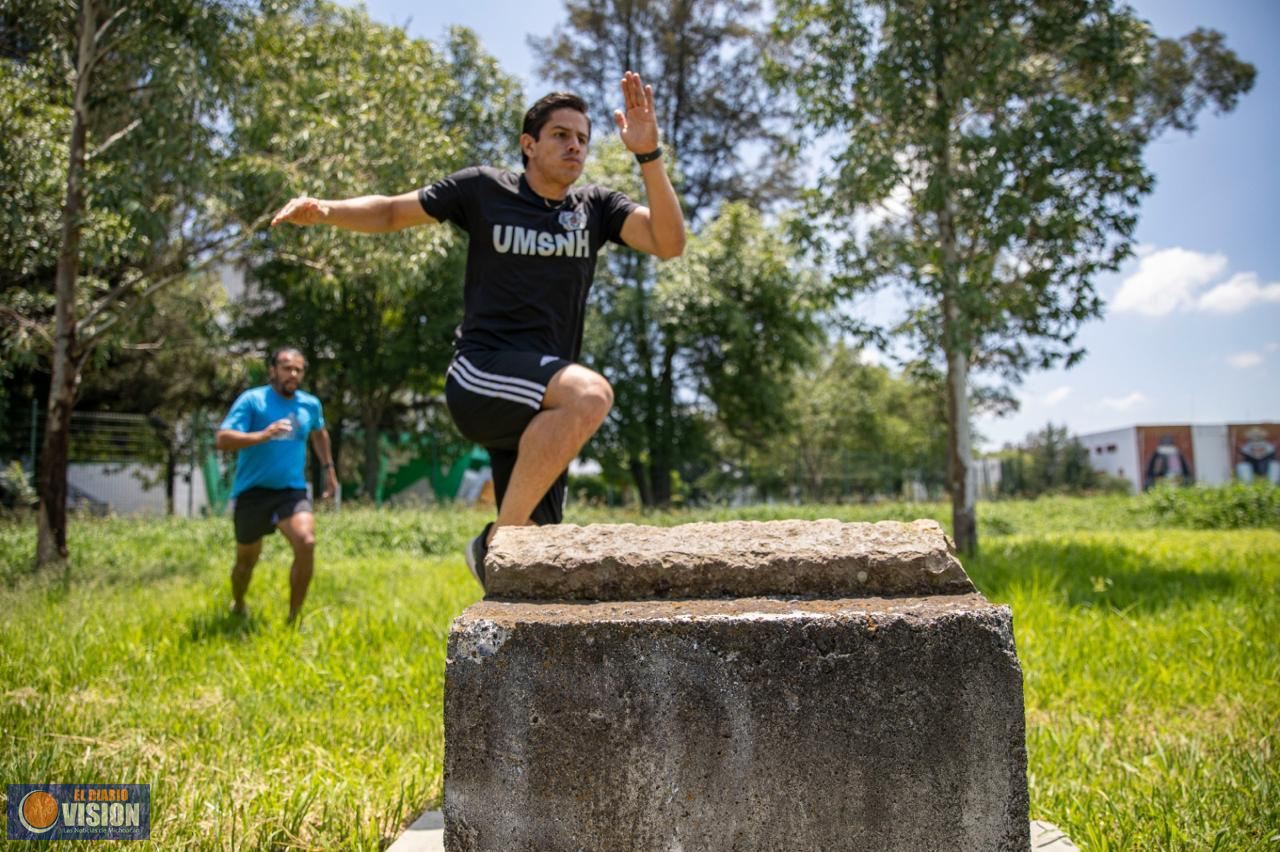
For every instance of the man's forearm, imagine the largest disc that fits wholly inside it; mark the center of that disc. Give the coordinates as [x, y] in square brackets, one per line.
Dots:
[230, 439]
[368, 214]
[665, 216]
[320, 443]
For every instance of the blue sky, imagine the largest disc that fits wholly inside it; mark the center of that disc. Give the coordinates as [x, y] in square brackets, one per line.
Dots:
[1192, 326]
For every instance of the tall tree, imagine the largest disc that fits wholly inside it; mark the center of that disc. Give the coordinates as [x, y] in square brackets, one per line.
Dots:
[734, 316]
[1008, 135]
[855, 430]
[137, 88]
[336, 105]
[172, 360]
[703, 59]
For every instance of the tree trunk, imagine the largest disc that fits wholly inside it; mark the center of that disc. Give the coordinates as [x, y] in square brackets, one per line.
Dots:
[640, 474]
[964, 522]
[664, 453]
[170, 478]
[371, 455]
[51, 535]
[51, 527]
[644, 474]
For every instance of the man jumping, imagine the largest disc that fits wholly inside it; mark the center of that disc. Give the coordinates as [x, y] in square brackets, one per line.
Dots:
[513, 385]
[270, 426]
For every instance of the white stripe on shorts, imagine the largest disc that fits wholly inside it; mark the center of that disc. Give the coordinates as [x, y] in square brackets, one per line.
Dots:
[512, 381]
[488, 389]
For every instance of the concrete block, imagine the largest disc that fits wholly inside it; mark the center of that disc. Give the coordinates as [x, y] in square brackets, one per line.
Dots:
[765, 722]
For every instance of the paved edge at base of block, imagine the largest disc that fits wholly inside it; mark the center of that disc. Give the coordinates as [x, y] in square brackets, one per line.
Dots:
[427, 835]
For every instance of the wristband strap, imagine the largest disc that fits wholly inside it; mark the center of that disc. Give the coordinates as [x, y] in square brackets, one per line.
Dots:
[649, 157]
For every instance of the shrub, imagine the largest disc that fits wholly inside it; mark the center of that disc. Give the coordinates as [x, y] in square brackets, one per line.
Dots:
[1235, 506]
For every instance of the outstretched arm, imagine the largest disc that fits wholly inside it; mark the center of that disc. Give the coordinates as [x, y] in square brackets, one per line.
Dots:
[369, 214]
[659, 228]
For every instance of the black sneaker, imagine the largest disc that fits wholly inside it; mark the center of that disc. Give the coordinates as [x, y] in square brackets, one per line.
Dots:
[477, 549]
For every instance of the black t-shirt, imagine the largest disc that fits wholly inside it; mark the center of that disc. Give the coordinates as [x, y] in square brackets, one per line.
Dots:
[531, 260]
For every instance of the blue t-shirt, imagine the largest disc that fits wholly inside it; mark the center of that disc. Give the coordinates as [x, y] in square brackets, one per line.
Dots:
[280, 462]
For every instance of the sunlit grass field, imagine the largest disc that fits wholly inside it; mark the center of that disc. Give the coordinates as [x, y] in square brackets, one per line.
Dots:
[1151, 658]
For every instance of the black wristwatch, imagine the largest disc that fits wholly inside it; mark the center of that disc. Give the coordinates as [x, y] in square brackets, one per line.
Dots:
[649, 157]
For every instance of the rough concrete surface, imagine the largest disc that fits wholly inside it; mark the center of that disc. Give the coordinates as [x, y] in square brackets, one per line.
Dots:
[766, 723]
[427, 835]
[732, 559]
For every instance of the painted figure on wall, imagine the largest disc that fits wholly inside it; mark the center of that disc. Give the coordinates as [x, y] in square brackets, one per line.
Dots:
[1167, 464]
[1256, 457]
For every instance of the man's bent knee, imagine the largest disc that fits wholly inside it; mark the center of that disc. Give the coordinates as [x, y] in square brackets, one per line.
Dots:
[582, 392]
[595, 400]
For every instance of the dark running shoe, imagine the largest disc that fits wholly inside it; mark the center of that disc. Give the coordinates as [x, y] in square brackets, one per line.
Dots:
[477, 549]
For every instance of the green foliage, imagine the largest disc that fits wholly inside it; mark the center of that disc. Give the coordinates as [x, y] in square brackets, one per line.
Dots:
[335, 105]
[708, 342]
[1051, 461]
[1226, 507]
[989, 162]
[741, 308]
[17, 492]
[174, 356]
[854, 430]
[155, 157]
[702, 59]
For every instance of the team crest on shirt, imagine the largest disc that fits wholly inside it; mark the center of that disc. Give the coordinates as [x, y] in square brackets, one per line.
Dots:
[573, 220]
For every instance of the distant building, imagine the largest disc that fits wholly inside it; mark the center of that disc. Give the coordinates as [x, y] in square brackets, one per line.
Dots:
[1210, 454]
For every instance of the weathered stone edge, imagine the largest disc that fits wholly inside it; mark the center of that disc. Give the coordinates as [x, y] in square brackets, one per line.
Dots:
[565, 571]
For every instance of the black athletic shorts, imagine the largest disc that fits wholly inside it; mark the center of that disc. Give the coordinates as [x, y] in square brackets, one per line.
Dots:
[492, 396]
[258, 510]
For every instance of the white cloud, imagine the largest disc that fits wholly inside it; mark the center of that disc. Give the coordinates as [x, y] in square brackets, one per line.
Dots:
[1244, 360]
[1167, 280]
[1124, 403]
[1055, 396]
[1271, 347]
[1239, 292]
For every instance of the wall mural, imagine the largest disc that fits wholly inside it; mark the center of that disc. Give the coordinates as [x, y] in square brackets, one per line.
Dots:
[1168, 455]
[1253, 451]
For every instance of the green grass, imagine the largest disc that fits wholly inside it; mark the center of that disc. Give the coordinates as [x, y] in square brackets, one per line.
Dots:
[1150, 659]
[251, 734]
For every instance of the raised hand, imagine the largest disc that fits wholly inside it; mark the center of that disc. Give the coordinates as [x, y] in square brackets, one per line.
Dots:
[638, 126]
[302, 210]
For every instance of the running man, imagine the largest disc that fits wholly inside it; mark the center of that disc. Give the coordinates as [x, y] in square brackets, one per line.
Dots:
[514, 386]
[270, 426]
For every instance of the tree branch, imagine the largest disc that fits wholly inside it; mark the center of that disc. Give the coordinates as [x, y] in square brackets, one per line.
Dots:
[114, 138]
[26, 322]
[106, 25]
[92, 335]
[302, 261]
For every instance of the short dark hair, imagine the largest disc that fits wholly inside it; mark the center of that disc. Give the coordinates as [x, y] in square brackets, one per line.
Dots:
[540, 112]
[282, 350]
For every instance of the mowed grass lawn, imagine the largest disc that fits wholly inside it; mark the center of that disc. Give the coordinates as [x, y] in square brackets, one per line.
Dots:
[1151, 659]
